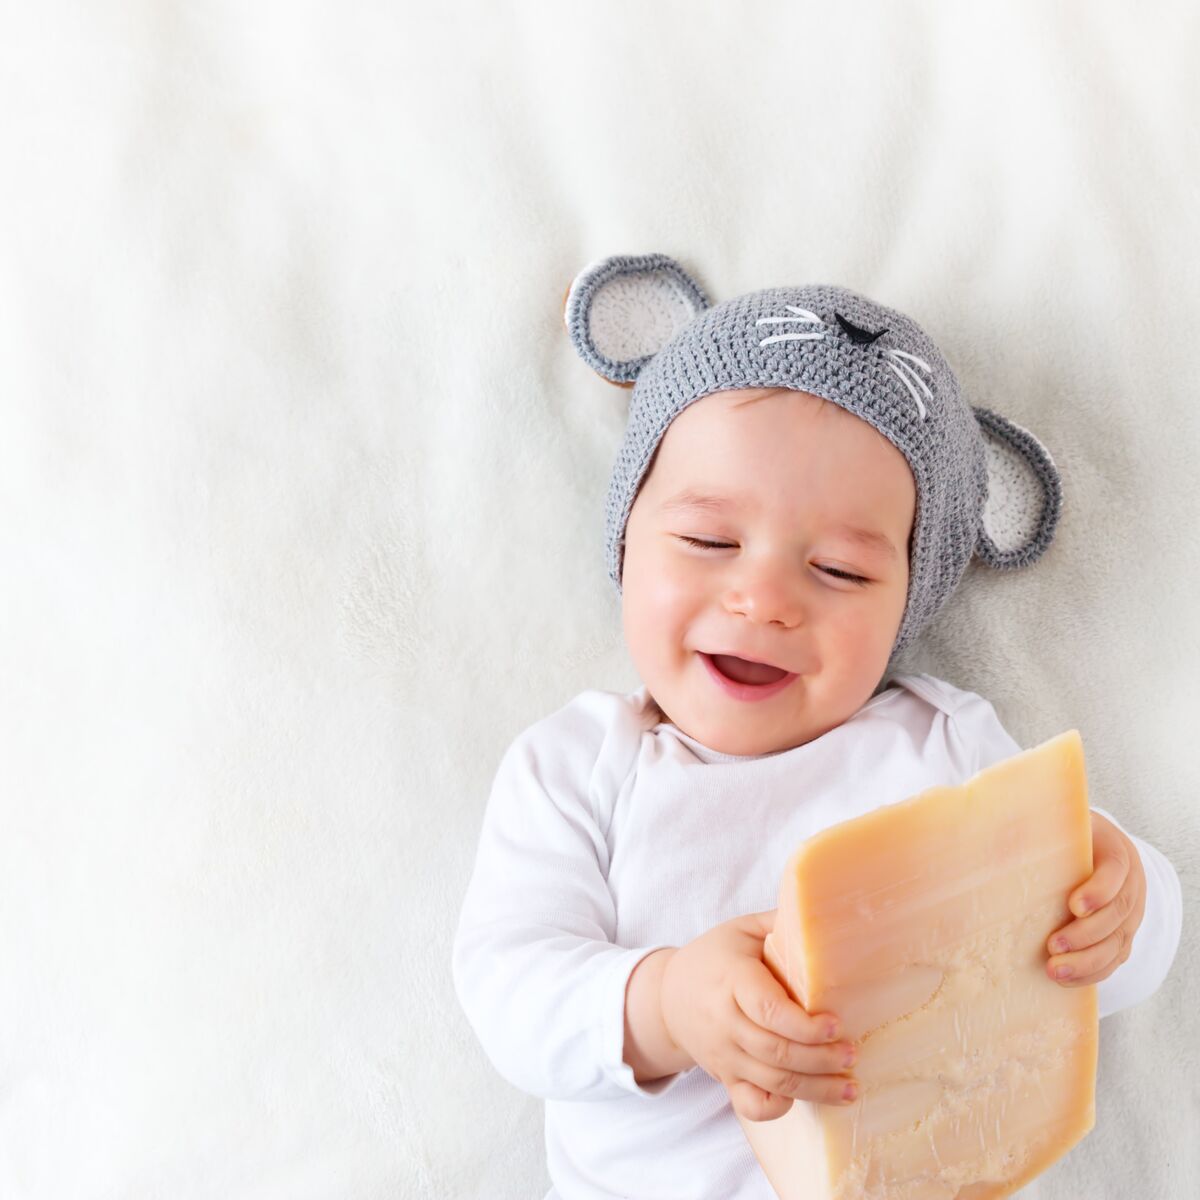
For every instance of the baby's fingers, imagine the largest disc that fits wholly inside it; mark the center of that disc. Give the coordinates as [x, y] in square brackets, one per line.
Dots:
[770, 1092]
[763, 999]
[754, 1104]
[793, 1070]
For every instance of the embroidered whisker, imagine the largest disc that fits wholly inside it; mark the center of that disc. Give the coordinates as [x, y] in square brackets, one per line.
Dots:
[905, 354]
[913, 375]
[803, 314]
[912, 390]
[789, 337]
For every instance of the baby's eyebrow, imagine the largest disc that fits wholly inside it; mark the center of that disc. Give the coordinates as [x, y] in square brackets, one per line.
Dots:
[691, 498]
[709, 501]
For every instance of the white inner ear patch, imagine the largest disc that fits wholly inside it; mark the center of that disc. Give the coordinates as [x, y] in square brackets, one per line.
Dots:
[633, 316]
[1014, 502]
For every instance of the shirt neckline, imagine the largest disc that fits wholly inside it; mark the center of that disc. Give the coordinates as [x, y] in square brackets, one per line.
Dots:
[709, 755]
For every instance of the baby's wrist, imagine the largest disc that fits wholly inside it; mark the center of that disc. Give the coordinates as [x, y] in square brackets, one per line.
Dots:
[679, 1058]
[649, 1048]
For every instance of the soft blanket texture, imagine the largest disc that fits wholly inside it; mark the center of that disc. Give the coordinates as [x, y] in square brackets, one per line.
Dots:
[303, 493]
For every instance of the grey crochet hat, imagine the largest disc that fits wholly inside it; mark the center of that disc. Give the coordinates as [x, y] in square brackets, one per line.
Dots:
[985, 486]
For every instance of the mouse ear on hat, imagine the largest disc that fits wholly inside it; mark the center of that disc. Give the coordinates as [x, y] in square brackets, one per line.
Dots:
[620, 311]
[1024, 499]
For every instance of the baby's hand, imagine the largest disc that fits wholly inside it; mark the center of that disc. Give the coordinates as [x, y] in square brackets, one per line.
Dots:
[723, 1006]
[1092, 948]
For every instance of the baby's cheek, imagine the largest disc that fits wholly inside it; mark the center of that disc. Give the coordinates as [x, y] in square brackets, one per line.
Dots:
[857, 658]
[869, 632]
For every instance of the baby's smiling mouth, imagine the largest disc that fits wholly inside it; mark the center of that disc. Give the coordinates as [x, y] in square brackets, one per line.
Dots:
[744, 670]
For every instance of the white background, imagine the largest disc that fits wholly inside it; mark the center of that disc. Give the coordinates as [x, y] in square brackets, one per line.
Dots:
[302, 507]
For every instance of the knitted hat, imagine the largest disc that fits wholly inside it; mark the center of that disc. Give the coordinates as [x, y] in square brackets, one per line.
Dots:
[985, 486]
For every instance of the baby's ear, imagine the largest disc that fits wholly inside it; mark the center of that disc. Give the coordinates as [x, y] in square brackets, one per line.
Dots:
[1024, 497]
[620, 311]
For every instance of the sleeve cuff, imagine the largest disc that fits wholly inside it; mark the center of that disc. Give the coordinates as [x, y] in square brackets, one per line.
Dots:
[610, 1027]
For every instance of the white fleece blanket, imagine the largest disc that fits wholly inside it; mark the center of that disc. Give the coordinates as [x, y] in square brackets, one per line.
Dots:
[303, 504]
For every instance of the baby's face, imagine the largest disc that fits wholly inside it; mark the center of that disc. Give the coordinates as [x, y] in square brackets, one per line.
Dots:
[795, 469]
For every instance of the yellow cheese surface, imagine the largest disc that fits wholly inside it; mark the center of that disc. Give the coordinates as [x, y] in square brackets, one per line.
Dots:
[923, 926]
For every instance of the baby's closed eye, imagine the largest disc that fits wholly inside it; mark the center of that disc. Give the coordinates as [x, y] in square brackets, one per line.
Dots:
[835, 571]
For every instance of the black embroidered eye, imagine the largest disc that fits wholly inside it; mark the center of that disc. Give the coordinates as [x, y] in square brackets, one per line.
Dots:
[858, 335]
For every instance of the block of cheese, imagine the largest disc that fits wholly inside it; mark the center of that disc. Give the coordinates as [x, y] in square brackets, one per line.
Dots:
[923, 926]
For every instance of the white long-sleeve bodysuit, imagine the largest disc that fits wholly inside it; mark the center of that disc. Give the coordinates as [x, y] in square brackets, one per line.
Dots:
[607, 836]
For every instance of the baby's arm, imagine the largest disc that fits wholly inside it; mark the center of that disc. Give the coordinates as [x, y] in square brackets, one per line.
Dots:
[535, 968]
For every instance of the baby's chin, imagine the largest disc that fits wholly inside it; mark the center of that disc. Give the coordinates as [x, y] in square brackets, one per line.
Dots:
[744, 736]
[791, 718]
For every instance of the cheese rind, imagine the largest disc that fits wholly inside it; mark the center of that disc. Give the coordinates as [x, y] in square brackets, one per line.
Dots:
[923, 926]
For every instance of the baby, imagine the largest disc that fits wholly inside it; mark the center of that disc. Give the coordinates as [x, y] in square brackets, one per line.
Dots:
[800, 489]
